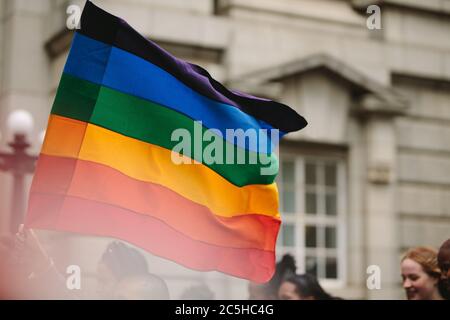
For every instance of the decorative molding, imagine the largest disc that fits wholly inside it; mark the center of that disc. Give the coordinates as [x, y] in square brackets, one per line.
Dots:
[371, 96]
[379, 173]
[374, 104]
[59, 43]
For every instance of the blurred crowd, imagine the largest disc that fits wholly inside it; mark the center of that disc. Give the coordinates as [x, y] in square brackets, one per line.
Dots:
[27, 272]
[425, 275]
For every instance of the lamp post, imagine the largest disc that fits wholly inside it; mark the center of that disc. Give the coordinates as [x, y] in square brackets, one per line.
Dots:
[18, 162]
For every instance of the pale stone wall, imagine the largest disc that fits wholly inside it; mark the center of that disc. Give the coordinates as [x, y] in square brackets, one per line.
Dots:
[414, 28]
[424, 162]
[324, 102]
[411, 208]
[3, 177]
[24, 76]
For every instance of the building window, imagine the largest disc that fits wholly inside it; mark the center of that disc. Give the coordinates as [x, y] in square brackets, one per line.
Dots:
[312, 203]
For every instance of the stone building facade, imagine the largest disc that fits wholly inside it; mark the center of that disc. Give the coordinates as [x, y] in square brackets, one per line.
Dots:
[369, 176]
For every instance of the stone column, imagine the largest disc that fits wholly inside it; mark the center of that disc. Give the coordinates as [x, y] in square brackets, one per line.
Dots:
[381, 224]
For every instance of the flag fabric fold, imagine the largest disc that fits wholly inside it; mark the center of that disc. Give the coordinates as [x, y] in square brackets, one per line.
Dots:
[106, 167]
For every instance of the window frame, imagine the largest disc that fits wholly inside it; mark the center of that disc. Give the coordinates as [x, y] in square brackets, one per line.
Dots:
[300, 219]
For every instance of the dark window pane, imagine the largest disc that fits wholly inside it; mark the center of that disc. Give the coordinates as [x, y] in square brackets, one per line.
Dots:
[330, 175]
[310, 237]
[288, 235]
[310, 174]
[288, 172]
[330, 203]
[311, 203]
[331, 268]
[288, 201]
[330, 237]
[311, 266]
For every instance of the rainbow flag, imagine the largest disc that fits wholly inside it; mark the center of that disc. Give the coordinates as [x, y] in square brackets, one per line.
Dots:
[107, 164]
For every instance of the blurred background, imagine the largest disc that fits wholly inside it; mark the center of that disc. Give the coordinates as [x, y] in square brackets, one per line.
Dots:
[368, 178]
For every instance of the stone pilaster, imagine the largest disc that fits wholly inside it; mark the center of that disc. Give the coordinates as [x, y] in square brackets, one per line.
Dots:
[380, 214]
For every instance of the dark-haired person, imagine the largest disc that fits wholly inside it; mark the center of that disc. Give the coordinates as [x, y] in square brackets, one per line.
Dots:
[302, 287]
[269, 291]
[421, 274]
[42, 280]
[444, 265]
[118, 262]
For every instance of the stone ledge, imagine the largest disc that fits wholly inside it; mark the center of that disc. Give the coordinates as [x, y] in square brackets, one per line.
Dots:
[435, 6]
[60, 43]
[374, 97]
[329, 11]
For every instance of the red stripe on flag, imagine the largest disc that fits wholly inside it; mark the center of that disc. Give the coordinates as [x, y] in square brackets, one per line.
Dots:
[73, 214]
[93, 181]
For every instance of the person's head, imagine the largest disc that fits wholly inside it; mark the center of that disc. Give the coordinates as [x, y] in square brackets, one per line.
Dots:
[141, 287]
[302, 287]
[117, 262]
[269, 291]
[420, 274]
[197, 292]
[444, 265]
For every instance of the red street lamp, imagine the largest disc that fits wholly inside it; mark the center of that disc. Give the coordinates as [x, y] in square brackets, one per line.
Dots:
[18, 162]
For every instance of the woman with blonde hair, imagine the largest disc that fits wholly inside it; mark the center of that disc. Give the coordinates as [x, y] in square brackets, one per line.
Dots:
[421, 274]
